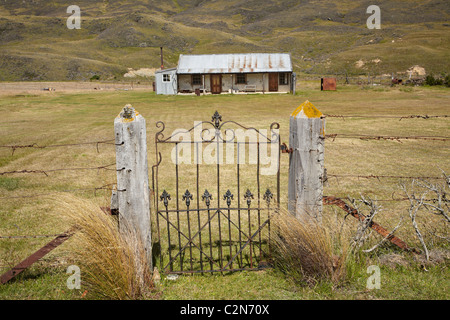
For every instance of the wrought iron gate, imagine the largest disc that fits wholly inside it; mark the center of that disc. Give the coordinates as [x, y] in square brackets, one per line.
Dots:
[228, 227]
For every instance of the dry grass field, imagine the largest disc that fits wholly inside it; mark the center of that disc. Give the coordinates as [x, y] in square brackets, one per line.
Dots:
[70, 150]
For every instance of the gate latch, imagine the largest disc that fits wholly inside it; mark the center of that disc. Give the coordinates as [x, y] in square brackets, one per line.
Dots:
[284, 148]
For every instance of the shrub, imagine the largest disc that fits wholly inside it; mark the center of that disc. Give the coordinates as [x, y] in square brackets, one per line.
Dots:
[430, 80]
[447, 80]
[437, 81]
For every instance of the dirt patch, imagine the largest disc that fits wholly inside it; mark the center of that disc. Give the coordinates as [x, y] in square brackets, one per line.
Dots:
[437, 256]
[7, 88]
[416, 71]
[143, 73]
[359, 64]
[393, 260]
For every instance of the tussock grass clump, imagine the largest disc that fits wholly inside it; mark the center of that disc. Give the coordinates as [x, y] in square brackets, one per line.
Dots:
[113, 264]
[308, 251]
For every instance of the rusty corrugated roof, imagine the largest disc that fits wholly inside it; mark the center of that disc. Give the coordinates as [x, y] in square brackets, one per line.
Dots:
[234, 63]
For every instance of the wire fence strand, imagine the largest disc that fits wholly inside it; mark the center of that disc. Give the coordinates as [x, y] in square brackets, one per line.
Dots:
[386, 116]
[46, 171]
[32, 236]
[36, 146]
[373, 176]
[333, 136]
[346, 198]
[108, 187]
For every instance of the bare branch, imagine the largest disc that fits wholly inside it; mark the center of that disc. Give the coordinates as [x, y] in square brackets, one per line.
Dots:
[363, 231]
[385, 238]
[415, 205]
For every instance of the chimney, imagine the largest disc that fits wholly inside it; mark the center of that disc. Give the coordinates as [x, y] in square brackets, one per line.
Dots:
[162, 60]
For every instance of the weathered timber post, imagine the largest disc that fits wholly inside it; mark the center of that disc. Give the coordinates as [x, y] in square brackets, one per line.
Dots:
[306, 162]
[133, 192]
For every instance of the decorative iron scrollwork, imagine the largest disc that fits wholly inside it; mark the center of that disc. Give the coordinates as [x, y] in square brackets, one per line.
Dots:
[220, 132]
[159, 136]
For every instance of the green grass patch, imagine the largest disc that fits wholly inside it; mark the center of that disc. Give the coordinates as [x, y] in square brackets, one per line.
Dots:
[10, 184]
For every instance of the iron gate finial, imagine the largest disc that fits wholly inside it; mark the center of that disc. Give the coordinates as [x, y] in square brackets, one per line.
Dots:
[187, 197]
[216, 118]
[249, 196]
[207, 197]
[268, 196]
[165, 197]
[228, 196]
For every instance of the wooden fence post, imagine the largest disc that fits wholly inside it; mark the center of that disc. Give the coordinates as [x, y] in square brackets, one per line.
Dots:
[306, 162]
[133, 192]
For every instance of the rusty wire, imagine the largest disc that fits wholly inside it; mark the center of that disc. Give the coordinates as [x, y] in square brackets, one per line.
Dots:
[372, 176]
[393, 138]
[36, 146]
[343, 117]
[32, 236]
[389, 200]
[104, 187]
[46, 171]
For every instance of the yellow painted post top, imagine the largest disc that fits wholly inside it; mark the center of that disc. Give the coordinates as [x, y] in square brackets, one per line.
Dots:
[306, 110]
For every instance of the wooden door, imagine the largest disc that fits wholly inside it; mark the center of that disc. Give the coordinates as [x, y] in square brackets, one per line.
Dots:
[216, 83]
[273, 81]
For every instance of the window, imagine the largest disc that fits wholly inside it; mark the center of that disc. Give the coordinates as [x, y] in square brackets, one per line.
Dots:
[284, 78]
[166, 77]
[241, 78]
[197, 79]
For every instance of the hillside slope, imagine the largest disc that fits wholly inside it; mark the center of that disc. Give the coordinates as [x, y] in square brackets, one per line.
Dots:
[323, 37]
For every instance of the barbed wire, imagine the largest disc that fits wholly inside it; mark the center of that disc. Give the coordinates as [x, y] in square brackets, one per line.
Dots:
[104, 187]
[46, 171]
[36, 146]
[346, 198]
[372, 176]
[383, 137]
[32, 236]
[386, 116]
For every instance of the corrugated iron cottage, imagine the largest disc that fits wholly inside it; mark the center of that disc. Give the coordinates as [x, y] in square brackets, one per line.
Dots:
[228, 73]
